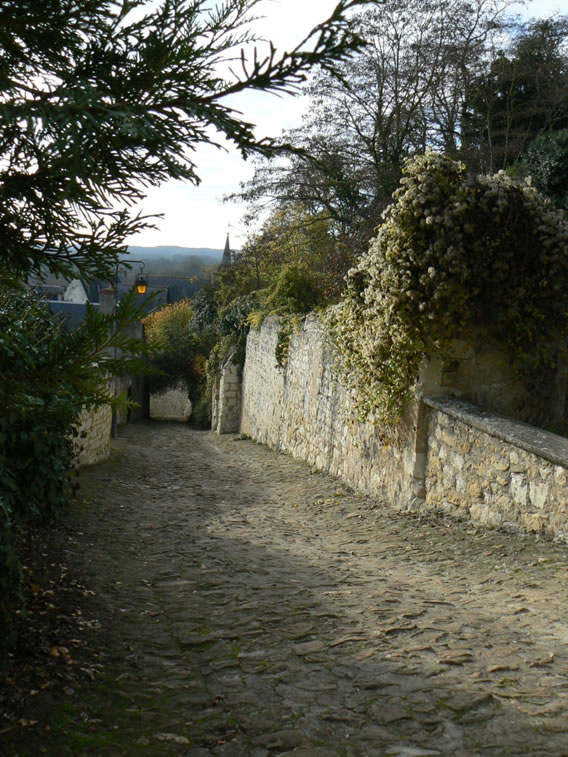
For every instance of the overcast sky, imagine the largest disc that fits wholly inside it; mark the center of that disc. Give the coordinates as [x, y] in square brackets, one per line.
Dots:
[196, 216]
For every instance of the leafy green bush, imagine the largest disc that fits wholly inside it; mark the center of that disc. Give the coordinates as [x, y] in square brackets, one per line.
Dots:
[234, 317]
[295, 293]
[296, 290]
[232, 325]
[452, 249]
[48, 376]
[546, 161]
[179, 351]
[36, 441]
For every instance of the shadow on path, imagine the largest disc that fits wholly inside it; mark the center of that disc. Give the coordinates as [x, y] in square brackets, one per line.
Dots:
[251, 607]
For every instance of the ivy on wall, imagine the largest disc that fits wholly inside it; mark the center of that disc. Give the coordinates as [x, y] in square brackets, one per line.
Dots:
[453, 249]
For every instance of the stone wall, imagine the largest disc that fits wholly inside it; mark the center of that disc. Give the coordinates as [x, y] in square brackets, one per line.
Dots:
[226, 400]
[498, 471]
[480, 371]
[93, 442]
[303, 410]
[449, 454]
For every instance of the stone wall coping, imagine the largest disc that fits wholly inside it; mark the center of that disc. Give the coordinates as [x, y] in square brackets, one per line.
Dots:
[537, 441]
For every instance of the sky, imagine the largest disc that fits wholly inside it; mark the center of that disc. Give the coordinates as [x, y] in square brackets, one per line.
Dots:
[196, 216]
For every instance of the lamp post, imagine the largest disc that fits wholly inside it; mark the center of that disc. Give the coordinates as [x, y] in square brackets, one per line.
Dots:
[141, 284]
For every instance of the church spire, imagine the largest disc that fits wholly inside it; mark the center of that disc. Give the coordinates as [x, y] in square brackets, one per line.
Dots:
[227, 259]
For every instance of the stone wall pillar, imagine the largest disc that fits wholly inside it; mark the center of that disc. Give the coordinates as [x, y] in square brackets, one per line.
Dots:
[215, 403]
[227, 396]
[92, 443]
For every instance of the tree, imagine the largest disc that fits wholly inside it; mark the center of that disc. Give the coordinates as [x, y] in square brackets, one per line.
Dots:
[402, 93]
[97, 105]
[522, 94]
[179, 351]
[289, 236]
[546, 161]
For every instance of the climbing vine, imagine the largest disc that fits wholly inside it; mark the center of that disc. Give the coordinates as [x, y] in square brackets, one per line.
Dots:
[452, 249]
[232, 328]
[295, 293]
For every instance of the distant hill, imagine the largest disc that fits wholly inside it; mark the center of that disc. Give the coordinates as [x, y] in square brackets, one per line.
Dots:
[165, 251]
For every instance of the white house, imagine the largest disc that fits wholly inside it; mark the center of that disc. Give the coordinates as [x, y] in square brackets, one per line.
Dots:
[75, 292]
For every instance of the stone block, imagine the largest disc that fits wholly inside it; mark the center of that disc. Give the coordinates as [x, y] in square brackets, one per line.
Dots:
[448, 438]
[532, 522]
[519, 489]
[533, 472]
[500, 464]
[504, 503]
[457, 460]
[478, 512]
[538, 494]
[474, 489]
[463, 446]
[495, 518]
[502, 479]
[545, 471]
[486, 514]
[560, 476]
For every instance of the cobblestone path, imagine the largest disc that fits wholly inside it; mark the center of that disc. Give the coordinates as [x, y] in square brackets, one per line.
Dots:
[254, 607]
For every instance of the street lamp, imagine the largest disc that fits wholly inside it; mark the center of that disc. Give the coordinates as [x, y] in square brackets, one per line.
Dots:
[141, 283]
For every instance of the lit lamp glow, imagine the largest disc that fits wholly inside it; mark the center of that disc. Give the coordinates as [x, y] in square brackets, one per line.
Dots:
[141, 284]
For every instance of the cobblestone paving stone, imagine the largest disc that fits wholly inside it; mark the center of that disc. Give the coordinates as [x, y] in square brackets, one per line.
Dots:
[261, 609]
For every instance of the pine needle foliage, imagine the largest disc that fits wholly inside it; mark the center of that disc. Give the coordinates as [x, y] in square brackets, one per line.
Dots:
[102, 99]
